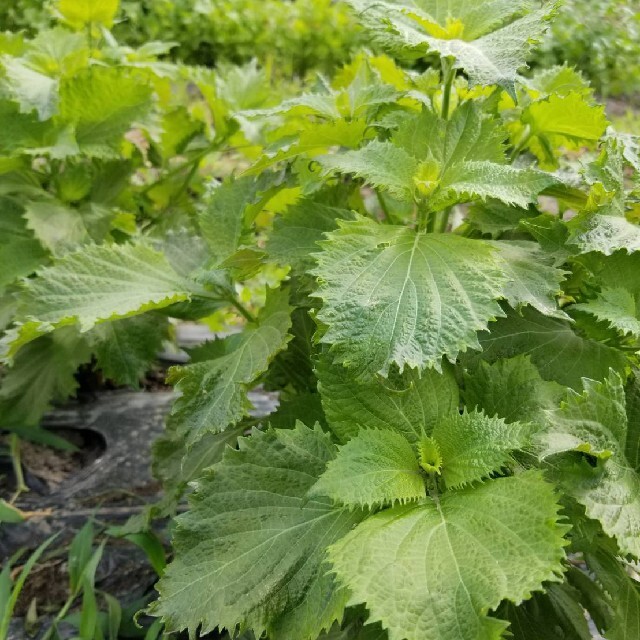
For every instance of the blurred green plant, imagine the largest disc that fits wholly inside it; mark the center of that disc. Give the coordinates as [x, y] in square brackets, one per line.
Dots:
[601, 38]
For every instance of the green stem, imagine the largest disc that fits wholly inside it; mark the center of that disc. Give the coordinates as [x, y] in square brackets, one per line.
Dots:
[14, 450]
[448, 75]
[242, 309]
[423, 217]
[383, 207]
[443, 220]
[524, 140]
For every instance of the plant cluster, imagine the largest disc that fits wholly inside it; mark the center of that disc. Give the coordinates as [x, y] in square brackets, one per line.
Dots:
[602, 39]
[296, 36]
[102, 145]
[455, 455]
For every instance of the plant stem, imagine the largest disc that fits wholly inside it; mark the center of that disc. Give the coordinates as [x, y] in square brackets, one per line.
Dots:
[14, 449]
[522, 143]
[448, 75]
[226, 296]
[242, 310]
[443, 220]
[384, 208]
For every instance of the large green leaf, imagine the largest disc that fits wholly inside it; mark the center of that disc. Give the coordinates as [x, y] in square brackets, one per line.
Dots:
[214, 391]
[99, 283]
[559, 353]
[490, 42]
[394, 296]
[412, 566]
[251, 551]
[411, 403]
[374, 468]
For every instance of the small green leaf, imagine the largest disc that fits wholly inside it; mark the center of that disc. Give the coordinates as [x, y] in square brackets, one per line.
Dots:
[80, 13]
[374, 468]
[473, 446]
[594, 421]
[9, 513]
[562, 121]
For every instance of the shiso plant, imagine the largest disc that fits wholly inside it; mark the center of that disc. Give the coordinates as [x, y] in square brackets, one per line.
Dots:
[456, 452]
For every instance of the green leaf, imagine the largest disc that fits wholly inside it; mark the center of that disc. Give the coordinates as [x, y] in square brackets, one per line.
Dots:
[99, 283]
[557, 351]
[394, 296]
[127, 348]
[9, 513]
[380, 164]
[594, 421]
[485, 41]
[43, 372]
[603, 227]
[473, 445]
[618, 307]
[618, 303]
[32, 90]
[214, 392]
[411, 403]
[483, 180]
[297, 232]
[495, 217]
[176, 465]
[254, 544]
[20, 253]
[412, 568]
[80, 13]
[533, 279]
[102, 104]
[568, 121]
[624, 592]
[554, 615]
[374, 468]
[511, 389]
[444, 161]
[227, 209]
[61, 228]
